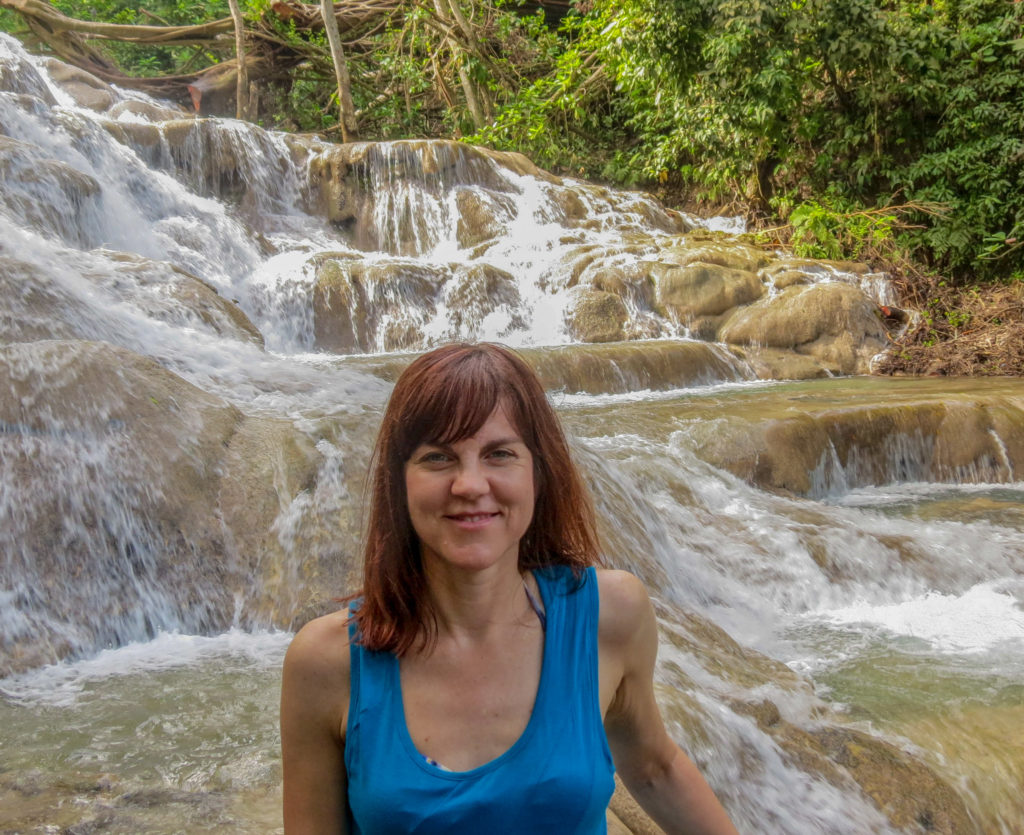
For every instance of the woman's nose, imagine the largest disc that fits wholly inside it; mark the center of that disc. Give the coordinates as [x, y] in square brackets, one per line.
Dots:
[470, 481]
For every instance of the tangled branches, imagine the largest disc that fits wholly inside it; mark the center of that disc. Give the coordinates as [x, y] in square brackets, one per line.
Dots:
[413, 67]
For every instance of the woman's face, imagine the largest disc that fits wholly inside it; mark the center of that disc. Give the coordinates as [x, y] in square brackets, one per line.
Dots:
[472, 501]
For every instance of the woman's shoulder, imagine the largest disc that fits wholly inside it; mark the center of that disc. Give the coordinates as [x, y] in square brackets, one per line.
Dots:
[319, 652]
[625, 605]
[315, 680]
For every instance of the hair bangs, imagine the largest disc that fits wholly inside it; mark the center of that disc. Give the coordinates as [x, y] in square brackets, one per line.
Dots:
[453, 400]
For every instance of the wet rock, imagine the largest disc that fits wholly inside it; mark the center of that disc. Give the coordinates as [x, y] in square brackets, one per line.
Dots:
[982, 740]
[628, 813]
[704, 327]
[102, 820]
[150, 111]
[338, 297]
[816, 269]
[608, 368]
[835, 323]
[570, 204]
[347, 183]
[83, 87]
[595, 316]
[610, 279]
[209, 156]
[478, 291]
[573, 264]
[154, 504]
[425, 161]
[809, 446]
[354, 301]
[78, 414]
[40, 303]
[32, 308]
[651, 213]
[704, 289]
[908, 792]
[183, 299]
[905, 789]
[265, 467]
[44, 193]
[335, 195]
[787, 278]
[20, 77]
[629, 366]
[778, 364]
[477, 221]
[139, 136]
[711, 248]
[631, 283]
[463, 162]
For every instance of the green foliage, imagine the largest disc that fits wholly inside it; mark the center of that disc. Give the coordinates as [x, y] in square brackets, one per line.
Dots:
[135, 59]
[567, 115]
[828, 231]
[878, 104]
[405, 70]
[974, 159]
[11, 22]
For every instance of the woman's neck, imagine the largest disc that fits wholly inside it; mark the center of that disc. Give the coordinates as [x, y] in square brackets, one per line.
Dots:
[472, 606]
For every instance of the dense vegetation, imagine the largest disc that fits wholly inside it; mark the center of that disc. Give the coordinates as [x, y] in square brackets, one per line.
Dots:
[878, 129]
[852, 104]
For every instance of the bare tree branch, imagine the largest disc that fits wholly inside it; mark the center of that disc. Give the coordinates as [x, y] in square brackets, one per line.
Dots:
[349, 129]
[242, 83]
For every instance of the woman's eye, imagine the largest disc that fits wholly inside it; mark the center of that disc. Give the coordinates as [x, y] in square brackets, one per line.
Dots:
[502, 454]
[433, 458]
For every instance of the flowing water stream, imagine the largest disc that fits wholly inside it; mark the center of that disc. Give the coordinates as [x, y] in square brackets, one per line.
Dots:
[142, 667]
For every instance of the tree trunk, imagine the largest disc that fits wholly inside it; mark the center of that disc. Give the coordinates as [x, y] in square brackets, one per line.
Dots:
[242, 84]
[475, 112]
[463, 24]
[349, 129]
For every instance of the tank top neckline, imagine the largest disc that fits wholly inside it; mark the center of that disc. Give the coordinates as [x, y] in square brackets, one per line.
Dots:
[539, 703]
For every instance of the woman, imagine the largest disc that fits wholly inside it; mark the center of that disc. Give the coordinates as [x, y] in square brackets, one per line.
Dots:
[489, 675]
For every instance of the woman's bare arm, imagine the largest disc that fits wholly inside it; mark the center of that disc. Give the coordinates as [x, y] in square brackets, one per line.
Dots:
[664, 781]
[314, 709]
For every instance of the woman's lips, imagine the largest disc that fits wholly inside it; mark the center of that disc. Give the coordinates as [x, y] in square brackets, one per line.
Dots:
[471, 520]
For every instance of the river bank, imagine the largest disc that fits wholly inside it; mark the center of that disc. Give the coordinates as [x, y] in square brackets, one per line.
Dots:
[955, 330]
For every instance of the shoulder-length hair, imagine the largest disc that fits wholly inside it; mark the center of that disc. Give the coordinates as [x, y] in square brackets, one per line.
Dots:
[444, 396]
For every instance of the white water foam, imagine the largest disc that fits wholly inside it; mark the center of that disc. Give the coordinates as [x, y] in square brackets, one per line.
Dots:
[60, 685]
[884, 495]
[583, 400]
[983, 618]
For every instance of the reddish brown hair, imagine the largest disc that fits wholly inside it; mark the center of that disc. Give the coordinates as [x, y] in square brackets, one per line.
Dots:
[444, 396]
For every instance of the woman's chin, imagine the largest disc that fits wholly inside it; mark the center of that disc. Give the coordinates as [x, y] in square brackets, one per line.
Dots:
[474, 560]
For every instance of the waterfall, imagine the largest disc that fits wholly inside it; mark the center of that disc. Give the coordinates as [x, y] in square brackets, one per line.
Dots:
[199, 324]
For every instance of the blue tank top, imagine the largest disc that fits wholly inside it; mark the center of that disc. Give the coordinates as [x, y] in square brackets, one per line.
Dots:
[558, 776]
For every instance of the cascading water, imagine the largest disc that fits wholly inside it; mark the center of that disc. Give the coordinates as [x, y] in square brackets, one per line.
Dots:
[199, 319]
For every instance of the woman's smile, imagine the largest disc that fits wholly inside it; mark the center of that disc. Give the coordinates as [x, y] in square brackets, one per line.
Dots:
[472, 500]
[471, 521]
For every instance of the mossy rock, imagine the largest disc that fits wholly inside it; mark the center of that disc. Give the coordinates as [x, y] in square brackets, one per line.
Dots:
[595, 316]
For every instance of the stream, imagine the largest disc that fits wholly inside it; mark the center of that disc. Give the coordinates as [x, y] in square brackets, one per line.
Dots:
[194, 353]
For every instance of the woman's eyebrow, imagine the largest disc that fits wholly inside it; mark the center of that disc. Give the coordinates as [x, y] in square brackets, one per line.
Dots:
[512, 439]
[487, 447]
